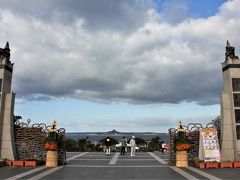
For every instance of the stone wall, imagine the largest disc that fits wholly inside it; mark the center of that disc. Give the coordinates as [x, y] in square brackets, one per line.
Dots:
[30, 140]
[30, 143]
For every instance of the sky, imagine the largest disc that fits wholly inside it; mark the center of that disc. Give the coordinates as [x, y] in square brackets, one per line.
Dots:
[129, 65]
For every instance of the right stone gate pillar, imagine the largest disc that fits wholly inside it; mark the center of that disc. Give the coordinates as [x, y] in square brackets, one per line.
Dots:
[230, 106]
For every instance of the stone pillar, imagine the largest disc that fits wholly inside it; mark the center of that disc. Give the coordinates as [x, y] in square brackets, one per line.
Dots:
[7, 139]
[7, 98]
[230, 106]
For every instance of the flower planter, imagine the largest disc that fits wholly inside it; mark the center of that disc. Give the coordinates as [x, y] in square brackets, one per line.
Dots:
[182, 159]
[200, 165]
[30, 163]
[17, 163]
[211, 165]
[236, 164]
[226, 164]
[51, 160]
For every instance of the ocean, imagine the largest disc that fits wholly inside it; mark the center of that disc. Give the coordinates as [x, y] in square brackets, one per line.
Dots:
[97, 136]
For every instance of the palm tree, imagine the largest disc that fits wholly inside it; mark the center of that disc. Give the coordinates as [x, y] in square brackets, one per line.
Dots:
[71, 145]
[155, 144]
[140, 141]
[82, 143]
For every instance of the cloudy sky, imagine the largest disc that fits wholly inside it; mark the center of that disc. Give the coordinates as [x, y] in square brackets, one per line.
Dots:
[129, 65]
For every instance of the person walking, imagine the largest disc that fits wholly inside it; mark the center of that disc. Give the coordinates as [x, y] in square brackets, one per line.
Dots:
[123, 145]
[126, 145]
[108, 144]
[133, 146]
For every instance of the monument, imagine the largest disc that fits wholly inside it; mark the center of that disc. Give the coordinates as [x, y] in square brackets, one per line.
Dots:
[230, 106]
[7, 98]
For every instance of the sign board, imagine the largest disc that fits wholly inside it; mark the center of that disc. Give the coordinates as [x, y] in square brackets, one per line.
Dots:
[209, 149]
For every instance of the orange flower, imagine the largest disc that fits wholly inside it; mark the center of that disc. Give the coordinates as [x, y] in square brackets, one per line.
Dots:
[182, 147]
[51, 147]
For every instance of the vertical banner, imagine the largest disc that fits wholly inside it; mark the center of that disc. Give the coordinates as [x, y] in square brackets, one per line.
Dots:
[209, 149]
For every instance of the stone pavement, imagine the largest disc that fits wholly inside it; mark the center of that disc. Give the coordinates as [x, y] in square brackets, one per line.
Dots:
[94, 165]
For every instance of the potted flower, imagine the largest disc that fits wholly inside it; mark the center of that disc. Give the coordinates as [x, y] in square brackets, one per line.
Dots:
[51, 146]
[31, 162]
[181, 146]
[52, 153]
[211, 164]
[226, 164]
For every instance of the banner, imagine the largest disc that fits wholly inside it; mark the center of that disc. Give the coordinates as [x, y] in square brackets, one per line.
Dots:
[209, 149]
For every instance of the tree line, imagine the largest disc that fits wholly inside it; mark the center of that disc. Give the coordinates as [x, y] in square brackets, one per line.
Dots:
[85, 145]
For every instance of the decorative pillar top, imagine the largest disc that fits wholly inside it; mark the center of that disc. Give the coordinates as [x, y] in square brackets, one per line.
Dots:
[180, 127]
[5, 51]
[230, 52]
[5, 62]
[231, 60]
[53, 127]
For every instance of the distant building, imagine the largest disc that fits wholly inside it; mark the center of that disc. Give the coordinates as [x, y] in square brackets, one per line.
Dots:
[230, 106]
[7, 98]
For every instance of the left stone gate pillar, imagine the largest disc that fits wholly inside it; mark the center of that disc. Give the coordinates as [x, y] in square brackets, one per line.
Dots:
[7, 98]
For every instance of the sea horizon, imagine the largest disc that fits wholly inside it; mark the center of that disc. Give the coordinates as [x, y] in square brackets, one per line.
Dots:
[97, 136]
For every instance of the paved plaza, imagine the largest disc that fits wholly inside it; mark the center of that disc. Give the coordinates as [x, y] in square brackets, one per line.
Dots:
[96, 165]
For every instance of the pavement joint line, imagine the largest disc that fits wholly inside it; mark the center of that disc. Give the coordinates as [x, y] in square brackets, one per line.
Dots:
[90, 160]
[136, 160]
[93, 155]
[26, 173]
[118, 166]
[183, 173]
[50, 171]
[114, 159]
[202, 173]
[135, 156]
[41, 168]
[76, 156]
[157, 158]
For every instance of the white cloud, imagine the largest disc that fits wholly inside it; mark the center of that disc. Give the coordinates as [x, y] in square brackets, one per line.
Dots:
[154, 62]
